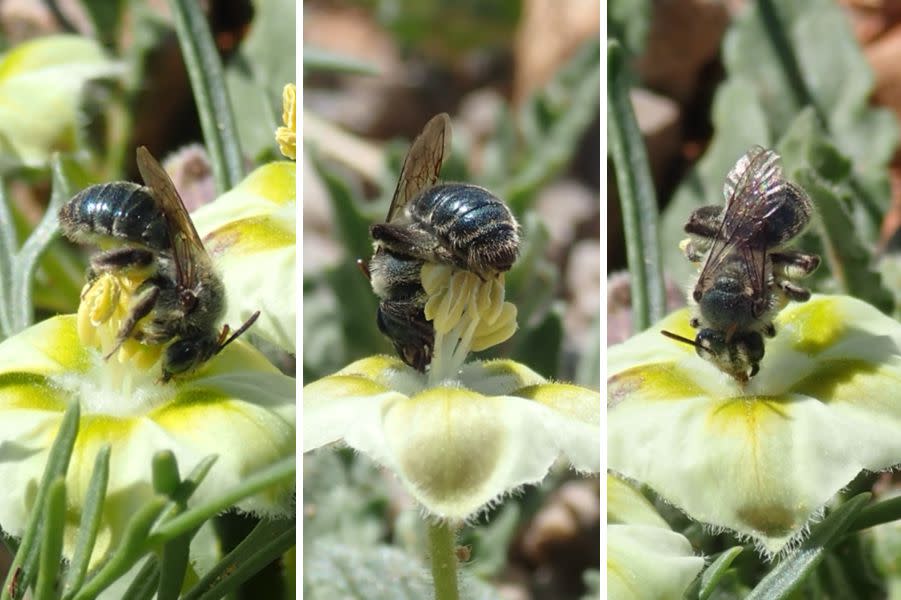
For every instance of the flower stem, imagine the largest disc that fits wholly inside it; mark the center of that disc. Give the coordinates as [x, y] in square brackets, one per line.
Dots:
[444, 560]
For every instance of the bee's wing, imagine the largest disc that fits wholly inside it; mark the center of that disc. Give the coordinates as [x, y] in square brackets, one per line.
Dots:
[187, 248]
[754, 189]
[422, 164]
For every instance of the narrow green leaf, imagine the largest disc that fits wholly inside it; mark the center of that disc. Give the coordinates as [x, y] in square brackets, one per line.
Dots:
[208, 84]
[352, 225]
[637, 195]
[317, 59]
[35, 246]
[848, 258]
[165, 473]
[24, 565]
[144, 585]
[131, 549]
[280, 473]
[173, 566]
[89, 524]
[52, 542]
[175, 553]
[788, 574]
[706, 583]
[7, 254]
[254, 549]
[885, 511]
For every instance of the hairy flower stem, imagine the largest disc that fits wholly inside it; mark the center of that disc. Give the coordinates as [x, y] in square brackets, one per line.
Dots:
[444, 560]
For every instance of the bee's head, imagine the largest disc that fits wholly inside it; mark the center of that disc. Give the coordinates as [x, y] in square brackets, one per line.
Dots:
[739, 356]
[186, 354]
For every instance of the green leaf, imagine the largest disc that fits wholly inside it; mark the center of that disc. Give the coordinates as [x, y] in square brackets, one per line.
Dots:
[782, 58]
[849, 261]
[337, 571]
[279, 473]
[347, 500]
[637, 196]
[208, 84]
[539, 346]
[555, 119]
[804, 54]
[257, 73]
[317, 59]
[25, 564]
[89, 524]
[52, 542]
[351, 224]
[791, 572]
[879, 513]
[629, 21]
[144, 585]
[268, 540]
[704, 586]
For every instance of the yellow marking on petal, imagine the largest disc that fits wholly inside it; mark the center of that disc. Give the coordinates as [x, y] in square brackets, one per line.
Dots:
[447, 440]
[573, 400]
[373, 367]
[651, 382]
[747, 415]
[250, 235]
[814, 325]
[771, 519]
[338, 386]
[846, 380]
[30, 392]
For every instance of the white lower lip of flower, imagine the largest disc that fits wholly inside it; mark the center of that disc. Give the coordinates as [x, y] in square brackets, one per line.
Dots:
[467, 314]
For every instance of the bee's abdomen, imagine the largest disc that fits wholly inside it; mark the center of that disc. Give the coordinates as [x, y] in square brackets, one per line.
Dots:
[471, 222]
[124, 211]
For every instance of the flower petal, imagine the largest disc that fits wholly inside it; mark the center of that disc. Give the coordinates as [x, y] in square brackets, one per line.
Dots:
[645, 562]
[762, 460]
[236, 406]
[250, 226]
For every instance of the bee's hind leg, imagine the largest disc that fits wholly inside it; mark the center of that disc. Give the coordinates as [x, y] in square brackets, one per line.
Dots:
[119, 260]
[145, 302]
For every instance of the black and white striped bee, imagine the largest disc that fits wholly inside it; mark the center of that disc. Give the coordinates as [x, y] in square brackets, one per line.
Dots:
[146, 229]
[456, 224]
[748, 275]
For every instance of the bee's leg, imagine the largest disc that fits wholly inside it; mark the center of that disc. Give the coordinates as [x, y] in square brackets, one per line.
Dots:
[146, 300]
[695, 322]
[769, 330]
[793, 291]
[705, 222]
[414, 241]
[119, 259]
[793, 264]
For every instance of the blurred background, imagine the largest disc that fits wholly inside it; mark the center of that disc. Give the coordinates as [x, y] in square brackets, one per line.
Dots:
[521, 82]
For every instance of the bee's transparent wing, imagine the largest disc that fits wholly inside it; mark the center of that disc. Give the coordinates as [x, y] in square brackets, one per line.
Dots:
[754, 189]
[422, 164]
[187, 247]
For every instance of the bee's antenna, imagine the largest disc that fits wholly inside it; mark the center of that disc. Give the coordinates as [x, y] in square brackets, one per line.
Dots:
[364, 268]
[239, 331]
[679, 338]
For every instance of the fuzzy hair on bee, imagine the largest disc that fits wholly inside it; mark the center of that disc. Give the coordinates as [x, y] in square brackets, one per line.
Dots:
[456, 224]
[149, 233]
[748, 274]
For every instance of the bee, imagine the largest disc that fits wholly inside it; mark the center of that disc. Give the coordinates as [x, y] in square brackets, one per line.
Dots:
[147, 229]
[748, 275]
[457, 224]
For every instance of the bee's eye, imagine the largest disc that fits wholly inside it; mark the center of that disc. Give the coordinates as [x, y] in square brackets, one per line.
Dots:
[181, 356]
